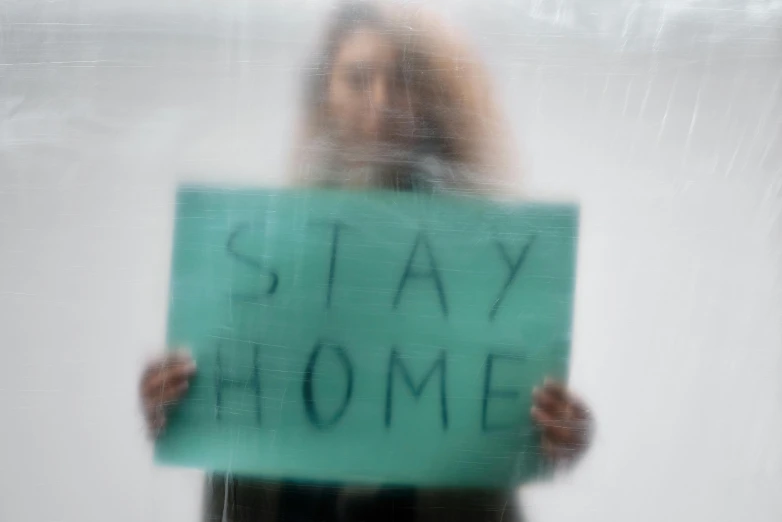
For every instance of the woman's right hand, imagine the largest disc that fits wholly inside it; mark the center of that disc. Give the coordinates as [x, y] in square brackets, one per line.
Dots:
[163, 383]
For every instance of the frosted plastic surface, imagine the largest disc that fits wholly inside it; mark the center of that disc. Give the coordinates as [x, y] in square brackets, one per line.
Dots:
[662, 119]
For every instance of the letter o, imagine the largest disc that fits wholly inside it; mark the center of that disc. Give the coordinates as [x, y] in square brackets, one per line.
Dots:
[309, 399]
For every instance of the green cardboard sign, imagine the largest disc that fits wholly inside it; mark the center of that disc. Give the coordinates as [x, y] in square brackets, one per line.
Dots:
[386, 338]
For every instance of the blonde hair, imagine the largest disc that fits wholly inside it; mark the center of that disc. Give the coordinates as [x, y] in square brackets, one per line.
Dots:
[448, 87]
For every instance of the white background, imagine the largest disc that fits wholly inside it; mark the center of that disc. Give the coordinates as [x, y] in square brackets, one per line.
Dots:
[663, 120]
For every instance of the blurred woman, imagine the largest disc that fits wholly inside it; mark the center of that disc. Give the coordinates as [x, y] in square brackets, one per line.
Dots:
[395, 101]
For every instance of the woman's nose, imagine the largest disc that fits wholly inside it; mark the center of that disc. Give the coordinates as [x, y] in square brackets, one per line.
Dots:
[377, 98]
[379, 93]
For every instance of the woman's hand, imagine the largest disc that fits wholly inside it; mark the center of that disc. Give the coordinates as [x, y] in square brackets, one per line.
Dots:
[163, 383]
[564, 420]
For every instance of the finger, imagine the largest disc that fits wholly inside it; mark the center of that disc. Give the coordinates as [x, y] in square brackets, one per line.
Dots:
[168, 360]
[560, 452]
[551, 449]
[579, 409]
[555, 388]
[166, 396]
[180, 370]
[568, 405]
[167, 377]
[173, 394]
[568, 437]
[156, 426]
[178, 356]
[548, 402]
[557, 430]
[160, 387]
[154, 417]
[571, 409]
[543, 418]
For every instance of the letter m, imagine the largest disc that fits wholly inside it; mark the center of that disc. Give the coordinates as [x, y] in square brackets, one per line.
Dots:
[397, 363]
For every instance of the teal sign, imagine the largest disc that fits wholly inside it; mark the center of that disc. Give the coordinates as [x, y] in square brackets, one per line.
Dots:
[382, 338]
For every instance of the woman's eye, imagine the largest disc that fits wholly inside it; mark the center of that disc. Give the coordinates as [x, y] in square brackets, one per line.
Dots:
[357, 78]
[357, 82]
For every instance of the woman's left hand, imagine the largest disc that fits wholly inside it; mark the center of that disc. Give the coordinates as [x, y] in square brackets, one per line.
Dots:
[564, 420]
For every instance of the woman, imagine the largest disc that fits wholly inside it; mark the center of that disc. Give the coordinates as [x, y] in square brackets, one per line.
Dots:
[394, 89]
[389, 105]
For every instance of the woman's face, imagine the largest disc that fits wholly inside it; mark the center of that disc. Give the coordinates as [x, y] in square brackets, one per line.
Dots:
[368, 103]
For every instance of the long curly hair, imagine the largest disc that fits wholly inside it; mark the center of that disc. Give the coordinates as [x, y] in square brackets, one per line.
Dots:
[451, 98]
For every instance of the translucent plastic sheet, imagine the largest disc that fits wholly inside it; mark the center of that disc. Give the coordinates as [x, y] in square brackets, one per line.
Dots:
[663, 120]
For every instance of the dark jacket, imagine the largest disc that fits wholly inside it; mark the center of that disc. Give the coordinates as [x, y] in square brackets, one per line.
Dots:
[228, 499]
